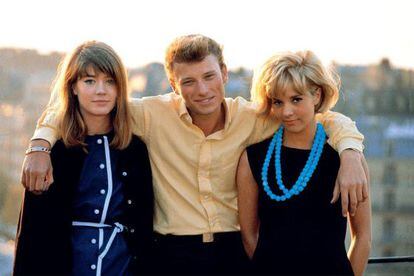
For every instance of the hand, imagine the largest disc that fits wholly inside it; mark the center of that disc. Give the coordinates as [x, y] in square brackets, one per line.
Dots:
[351, 182]
[37, 171]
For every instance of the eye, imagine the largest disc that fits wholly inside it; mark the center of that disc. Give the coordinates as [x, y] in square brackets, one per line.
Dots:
[89, 81]
[209, 76]
[187, 83]
[110, 81]
[296, 99]
[277, 102]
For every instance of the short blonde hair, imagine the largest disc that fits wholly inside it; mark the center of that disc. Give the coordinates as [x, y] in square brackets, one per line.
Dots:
[301, 71]
[191, 48]
[102, 58]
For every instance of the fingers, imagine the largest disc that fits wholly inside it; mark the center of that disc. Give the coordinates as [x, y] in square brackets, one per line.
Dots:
[344, 203]
[37, 173]
[353, 202]
[365, 192]
[27, 181]
[359, 193]
[23, 178]
[40, 181]
[335, 194]
[31, 181]
[50, 177]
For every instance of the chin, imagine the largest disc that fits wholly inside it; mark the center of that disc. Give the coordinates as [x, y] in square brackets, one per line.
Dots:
[293, 129]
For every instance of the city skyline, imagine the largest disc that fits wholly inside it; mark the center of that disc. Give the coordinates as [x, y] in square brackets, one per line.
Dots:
[351, 32]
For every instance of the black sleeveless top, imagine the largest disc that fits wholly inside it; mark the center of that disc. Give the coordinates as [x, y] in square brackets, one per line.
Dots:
[304, 234]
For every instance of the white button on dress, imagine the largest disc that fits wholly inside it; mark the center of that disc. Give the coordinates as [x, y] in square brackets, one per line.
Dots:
[102, 192]
[96, 211]
[102, 166]
[99, 141]
[93, 241]
[93, 267]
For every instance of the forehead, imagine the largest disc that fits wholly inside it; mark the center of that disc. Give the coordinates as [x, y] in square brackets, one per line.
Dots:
[91, 69]
[286, 92]
[197, 68]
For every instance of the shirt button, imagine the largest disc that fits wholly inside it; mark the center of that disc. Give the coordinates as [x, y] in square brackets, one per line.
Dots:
[102, 192]
[129, 201]
[96, 211]
[124, 173]
[132, 230]
[99, 141]
[93, 267]
[93, 241]
[102, 166]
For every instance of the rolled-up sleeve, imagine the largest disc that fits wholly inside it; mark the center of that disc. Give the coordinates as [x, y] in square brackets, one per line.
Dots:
[342, 131]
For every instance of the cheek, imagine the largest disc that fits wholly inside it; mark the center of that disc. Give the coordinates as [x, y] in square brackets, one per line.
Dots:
[185, 93]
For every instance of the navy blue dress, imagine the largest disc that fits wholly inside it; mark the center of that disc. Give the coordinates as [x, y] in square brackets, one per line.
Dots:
[305, 234]
[98, 246]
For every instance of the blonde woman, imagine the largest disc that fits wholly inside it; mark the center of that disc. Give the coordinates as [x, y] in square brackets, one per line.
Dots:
[97, 216]
[285, 183]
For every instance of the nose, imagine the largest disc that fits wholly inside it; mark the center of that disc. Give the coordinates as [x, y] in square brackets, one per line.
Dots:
[287, 111]
[100, 87]
[202, 88]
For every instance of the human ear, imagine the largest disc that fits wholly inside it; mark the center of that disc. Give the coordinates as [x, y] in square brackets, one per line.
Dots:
[224, 73]
[74, 91]
[317, 96]
[173, 85]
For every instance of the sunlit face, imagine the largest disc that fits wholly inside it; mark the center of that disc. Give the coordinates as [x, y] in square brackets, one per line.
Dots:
[201, 84]
[296, 111]
[96, 94]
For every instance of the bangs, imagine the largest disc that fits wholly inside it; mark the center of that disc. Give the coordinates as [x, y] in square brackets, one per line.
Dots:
[287, 79]
[98, 62]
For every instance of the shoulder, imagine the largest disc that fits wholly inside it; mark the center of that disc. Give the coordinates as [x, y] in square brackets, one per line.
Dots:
[259, 149]
[135, 146]
[240, 104]
[164, 99]
[241, 111]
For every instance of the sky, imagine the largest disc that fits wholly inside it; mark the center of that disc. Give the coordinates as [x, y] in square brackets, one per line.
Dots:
[347, 32]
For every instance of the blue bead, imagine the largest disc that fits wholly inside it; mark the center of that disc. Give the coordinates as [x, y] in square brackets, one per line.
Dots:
[313, 159]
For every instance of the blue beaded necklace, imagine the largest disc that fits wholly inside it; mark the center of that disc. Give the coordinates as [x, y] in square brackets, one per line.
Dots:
[303, 179]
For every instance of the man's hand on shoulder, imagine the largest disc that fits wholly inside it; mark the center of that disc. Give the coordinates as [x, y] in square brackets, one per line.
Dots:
[351, 182]
[37, 172]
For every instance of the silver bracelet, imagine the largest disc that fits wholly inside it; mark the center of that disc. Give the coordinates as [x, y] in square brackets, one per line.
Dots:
[37, 149]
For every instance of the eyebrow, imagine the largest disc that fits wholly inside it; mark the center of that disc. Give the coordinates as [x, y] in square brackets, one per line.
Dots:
[209, 72]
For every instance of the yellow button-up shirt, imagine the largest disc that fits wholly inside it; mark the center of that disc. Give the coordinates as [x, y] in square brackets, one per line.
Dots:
[194, 175]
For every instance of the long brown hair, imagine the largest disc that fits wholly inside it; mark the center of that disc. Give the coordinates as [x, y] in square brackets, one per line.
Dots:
[102, 58]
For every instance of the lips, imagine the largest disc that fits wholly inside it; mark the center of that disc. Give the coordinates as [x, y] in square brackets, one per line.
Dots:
[205, 101]
[290, 122]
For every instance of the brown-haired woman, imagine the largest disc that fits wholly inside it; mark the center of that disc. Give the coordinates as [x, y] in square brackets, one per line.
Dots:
[97, 217]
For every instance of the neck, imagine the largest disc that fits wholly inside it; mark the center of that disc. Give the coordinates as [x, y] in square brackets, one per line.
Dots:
[300, 140]
[209, 123]
[98, 125]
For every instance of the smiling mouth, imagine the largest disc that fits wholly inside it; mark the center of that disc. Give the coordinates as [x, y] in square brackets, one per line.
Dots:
[204, 101]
